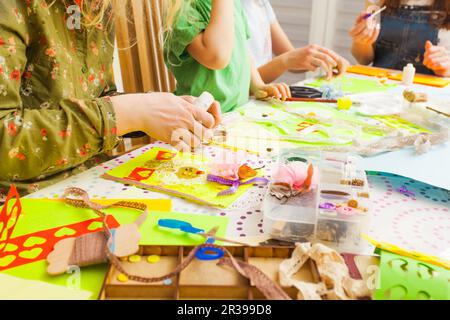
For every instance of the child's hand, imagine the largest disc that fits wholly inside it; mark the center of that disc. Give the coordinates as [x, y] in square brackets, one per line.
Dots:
[312, 57]
[279, 91]
[365, 31]
[437, 59]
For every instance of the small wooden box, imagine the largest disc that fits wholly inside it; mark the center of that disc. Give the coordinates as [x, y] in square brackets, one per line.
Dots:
[203, 280]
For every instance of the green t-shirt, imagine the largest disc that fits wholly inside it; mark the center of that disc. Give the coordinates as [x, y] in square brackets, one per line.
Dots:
[231, 85]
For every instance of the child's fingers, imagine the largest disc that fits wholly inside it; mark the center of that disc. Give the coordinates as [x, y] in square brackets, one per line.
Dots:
[357, 29]
[324, 66]
[288, 89]
[274, 91]
[261, 94]
[216, 113]
[284, 90]
[327, 59]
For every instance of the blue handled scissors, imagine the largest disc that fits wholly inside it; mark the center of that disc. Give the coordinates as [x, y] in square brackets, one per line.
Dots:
[205, 254]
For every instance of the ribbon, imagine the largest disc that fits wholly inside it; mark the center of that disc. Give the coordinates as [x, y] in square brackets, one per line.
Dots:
[234, 184]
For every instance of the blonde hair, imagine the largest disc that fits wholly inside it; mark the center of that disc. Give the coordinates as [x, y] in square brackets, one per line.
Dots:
[172, 10]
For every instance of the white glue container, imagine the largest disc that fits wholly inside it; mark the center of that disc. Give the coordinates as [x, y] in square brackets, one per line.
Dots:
[205, 101]
[408, 74]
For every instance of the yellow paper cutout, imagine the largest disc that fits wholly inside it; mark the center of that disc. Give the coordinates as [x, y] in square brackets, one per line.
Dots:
[408, 253]
[34, 241]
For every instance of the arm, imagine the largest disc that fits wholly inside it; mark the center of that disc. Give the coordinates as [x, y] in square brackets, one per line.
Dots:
[281, 46]
[364, 34]
[214, 46]
[263, 91]
[36, 141]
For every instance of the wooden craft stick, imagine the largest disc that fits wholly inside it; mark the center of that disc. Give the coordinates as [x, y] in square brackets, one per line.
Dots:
[371, 15]
[312, 100]
[440, 112]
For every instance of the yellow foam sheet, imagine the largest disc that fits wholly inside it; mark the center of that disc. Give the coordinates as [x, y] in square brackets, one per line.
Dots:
[13, 288]
[166, 179]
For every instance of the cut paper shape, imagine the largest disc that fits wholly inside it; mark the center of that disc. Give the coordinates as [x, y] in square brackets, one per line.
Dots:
[152, 234]
[25, 256]
[352, 85]
[14, 288]
[34, 241]
[41, 214]
[66, 232]
[31, 254]
[10, 247]
[9, 215]
[6, 260]
[165, 178]
[94, 226]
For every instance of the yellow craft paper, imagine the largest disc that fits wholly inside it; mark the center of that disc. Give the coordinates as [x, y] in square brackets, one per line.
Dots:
[13, 288]
[168, 181]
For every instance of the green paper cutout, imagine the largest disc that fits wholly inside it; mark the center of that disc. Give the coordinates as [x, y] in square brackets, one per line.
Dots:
[30, 254]
[409, 279]
[96, 225]
[7, 260]
[34, 241]
[152, 234]
[352, 85]
[64, 232]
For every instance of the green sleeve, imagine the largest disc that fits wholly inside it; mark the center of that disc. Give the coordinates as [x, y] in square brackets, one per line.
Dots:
[189, 24]
[36, 141]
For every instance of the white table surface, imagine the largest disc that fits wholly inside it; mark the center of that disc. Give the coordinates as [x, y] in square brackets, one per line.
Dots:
[419, 223]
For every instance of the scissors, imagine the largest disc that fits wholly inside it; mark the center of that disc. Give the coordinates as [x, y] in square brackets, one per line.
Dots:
[205, 254]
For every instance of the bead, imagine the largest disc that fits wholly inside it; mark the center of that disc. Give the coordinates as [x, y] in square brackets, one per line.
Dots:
[167, 282]
[153, 259]
[134, 259]
[352, 203]
[122, 277]
[327, 206]
[346, 211]
[344, 103]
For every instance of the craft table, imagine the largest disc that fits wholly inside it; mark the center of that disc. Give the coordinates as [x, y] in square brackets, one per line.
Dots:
[419, 223]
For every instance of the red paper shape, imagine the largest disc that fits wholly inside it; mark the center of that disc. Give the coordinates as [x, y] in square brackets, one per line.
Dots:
[22, 254]
[165, 155]
[8, 219]
[140, 174]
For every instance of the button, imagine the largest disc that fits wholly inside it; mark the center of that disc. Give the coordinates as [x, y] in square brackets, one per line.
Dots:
[84, 69]
[122, 278]
[153, 259]
[134, 259]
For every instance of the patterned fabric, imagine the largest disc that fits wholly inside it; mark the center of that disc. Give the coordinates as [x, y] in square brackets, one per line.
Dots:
[55, 81]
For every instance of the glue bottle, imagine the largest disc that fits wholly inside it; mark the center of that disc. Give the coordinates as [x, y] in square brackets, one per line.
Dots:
[408, 74]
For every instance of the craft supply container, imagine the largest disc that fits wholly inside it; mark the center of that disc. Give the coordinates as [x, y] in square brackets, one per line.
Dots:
[335, 212]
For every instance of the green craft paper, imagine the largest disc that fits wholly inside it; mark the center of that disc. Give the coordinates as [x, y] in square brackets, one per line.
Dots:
[202, 191]
[400, 279]
[152, 234]
[351, 85]
[90, 278]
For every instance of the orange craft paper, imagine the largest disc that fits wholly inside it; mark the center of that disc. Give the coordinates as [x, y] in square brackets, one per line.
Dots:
[396, 75]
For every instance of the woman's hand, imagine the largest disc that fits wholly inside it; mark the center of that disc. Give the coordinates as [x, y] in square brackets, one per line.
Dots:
[437, 58]
[365, 31]
[312, 57]
[166, 117]
[278, 91]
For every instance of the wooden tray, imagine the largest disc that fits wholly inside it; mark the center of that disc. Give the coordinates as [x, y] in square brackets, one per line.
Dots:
[201, 279]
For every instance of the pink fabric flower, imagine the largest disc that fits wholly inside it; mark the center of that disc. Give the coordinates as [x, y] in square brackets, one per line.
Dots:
[227, 164]
[295, 175]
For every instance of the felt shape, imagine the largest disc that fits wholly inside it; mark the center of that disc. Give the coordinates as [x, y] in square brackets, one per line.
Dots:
[166, 177]
[39, 249]
[152, 234]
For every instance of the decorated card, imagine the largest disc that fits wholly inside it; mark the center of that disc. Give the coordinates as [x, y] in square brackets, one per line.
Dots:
[216, 181]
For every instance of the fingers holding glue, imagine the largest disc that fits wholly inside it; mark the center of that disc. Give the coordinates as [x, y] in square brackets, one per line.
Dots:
[206, 103]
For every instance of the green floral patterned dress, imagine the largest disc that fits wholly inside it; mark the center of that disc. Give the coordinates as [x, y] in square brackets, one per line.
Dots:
[56, 117]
